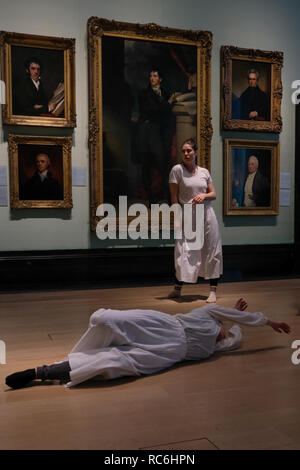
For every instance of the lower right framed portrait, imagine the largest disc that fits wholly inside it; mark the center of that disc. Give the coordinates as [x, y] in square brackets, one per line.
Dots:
[40, 172]
[251, 177]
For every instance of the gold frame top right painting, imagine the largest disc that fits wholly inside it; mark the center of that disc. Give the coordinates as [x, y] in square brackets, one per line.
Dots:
[251, 89]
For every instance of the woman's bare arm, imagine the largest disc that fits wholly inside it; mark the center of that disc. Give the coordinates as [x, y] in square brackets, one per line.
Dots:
[210, 195]
[174, 188]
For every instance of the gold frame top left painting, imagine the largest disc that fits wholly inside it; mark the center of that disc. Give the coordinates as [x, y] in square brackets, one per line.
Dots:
[39, 77]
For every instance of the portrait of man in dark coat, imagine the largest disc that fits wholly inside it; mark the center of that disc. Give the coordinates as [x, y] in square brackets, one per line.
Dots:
[29, 97]
[156, 128]
[254, 101]
[257, 187]
[42, 185]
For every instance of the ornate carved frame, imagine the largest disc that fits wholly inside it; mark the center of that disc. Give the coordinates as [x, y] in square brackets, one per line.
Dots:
[230, 53]
[274, 147]
[7, 40]
[99, 27]
[13, 145]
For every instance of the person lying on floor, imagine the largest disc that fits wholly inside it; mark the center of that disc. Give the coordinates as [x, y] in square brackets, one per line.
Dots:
[122, 343]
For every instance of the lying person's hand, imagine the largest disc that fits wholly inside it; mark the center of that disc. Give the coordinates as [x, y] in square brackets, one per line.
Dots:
[279, 326]
[241, 305]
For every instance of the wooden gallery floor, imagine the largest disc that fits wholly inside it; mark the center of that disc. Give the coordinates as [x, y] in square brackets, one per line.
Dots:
[246, 399]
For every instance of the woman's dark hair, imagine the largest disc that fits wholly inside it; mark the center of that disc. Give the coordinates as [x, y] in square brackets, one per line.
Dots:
[191, 142]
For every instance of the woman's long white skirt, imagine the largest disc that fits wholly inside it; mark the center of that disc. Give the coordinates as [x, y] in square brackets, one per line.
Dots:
[125, 343]
[206, 262]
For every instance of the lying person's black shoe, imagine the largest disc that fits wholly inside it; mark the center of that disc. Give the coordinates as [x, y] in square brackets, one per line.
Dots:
[20, 379]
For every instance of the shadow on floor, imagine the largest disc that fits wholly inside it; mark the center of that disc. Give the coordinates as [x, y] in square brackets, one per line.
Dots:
[184, 298]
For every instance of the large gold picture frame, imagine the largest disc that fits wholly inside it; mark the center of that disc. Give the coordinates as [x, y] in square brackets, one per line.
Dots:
[117, 54]
[55, 57]
[251, 177]
[240, 110]
[25, 187]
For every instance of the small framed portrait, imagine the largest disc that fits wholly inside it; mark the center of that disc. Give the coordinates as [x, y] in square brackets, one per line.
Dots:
[251, 89]
[143, 105]
[40, 172]
[251, 177]
[39, 76]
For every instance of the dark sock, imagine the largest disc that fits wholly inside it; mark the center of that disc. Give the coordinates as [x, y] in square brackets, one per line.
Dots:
[177, 283]
[214, 282]
[58, 371]
[20, 379]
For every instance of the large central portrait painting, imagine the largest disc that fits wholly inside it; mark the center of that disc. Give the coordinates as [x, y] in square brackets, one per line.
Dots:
[149, 91]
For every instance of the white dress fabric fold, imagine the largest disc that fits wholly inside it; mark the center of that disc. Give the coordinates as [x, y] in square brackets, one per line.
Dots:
[208, 261]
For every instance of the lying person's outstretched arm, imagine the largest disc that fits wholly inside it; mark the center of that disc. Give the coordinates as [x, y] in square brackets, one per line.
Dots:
[277, 326]
[240, 315]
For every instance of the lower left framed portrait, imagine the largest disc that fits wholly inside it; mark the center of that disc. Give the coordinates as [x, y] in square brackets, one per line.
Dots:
[40, 172]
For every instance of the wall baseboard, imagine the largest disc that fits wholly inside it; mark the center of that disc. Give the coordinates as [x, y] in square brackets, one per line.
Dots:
[133, 266]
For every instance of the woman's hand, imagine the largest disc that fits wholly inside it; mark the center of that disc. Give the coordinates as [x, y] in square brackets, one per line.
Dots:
[199, 199]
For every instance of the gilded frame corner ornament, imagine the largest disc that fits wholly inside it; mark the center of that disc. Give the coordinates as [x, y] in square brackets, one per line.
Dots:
[44, 43]
[99, 28]
[65, 143]
[237, 165]
[275, 60]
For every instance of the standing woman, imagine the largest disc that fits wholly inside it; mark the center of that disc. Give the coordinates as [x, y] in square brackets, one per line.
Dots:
[191, 184]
